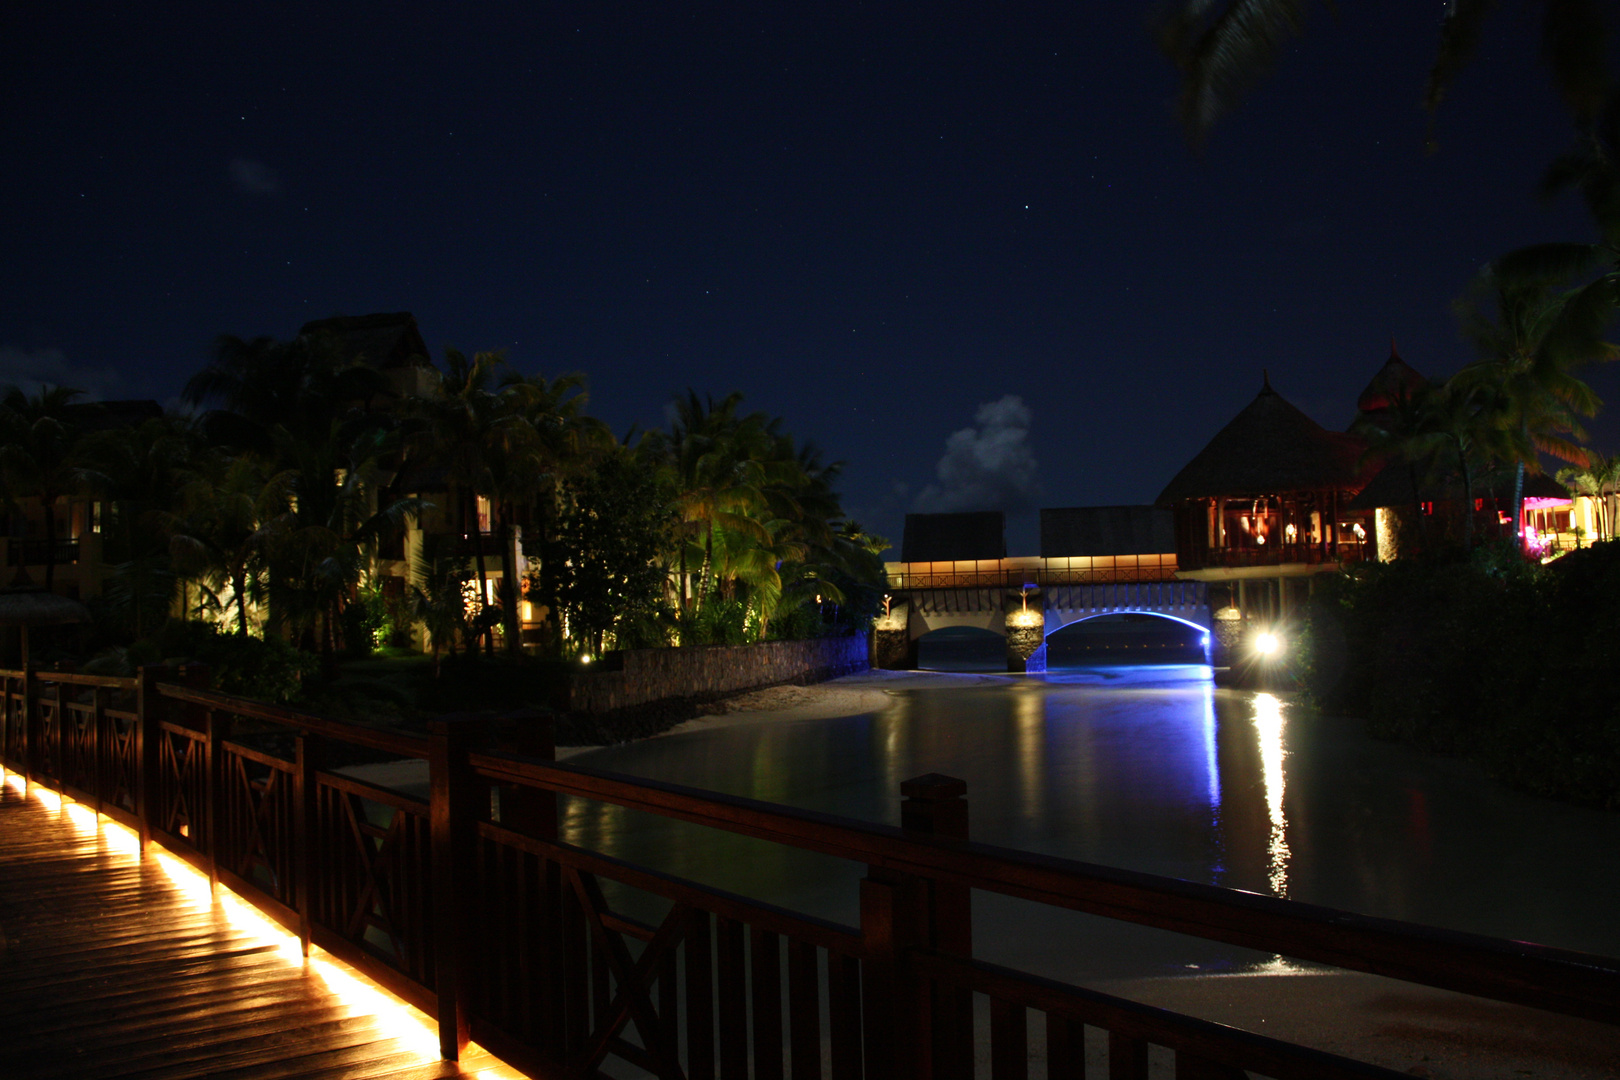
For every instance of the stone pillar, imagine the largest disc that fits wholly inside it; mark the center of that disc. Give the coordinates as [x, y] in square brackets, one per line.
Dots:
[893, 650]
[1225, 635]
[893, 647]
[1026, 636]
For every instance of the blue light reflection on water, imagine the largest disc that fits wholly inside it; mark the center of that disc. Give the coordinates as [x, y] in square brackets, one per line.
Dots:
[1147, 768]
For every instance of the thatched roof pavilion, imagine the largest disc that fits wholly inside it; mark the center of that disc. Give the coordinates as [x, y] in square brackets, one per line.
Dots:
[1395, 380]
[1269, 447]
[1267, 491]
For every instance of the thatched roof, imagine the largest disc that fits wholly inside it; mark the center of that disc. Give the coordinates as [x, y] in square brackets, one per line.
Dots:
[1269, 448]
[954, 537]
[35, 607]
[1395, 379]
[1106, 530]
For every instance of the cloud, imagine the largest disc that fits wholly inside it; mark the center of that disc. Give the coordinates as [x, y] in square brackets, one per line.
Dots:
[986, 467]
[253, 177]
[27, 369]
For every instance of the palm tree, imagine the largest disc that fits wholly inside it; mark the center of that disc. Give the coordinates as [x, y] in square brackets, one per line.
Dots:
[1404, 434]
[1224, 47]
[436, 600]
[1532, 334]
[465, 426]
[1469, 435]
[307, 409]
[43, 455]
[228, 513]
[719, 466]
[528, 462]
[142, 468]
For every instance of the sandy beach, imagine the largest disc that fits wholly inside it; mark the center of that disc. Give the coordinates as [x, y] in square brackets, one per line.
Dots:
[866, 692]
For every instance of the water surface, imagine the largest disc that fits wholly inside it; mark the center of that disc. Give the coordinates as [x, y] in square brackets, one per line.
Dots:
[1151, 769]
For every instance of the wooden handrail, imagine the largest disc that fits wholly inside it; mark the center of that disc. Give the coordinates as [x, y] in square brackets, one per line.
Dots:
[1565, 981]
[1206, 1039]
[411, 746]
[70, 678]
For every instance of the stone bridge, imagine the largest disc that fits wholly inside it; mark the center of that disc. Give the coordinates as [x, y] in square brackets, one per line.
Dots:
[1026, 603]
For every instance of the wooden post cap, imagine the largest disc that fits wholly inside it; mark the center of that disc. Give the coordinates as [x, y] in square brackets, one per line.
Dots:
[933, 787]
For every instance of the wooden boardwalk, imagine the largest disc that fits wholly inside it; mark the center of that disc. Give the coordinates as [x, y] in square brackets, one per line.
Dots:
[115, 965]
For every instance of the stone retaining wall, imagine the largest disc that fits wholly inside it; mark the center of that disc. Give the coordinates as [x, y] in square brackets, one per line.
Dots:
[641, 676]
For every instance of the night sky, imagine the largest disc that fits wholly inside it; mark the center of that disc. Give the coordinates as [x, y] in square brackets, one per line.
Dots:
[879, 222]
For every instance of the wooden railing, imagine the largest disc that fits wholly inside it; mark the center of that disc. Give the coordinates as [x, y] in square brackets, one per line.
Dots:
[470, 905]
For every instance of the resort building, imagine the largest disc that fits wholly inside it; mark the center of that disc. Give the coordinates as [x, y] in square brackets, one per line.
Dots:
[1264, 507]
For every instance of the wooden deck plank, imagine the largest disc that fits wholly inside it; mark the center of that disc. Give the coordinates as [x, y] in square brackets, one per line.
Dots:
[108, 968]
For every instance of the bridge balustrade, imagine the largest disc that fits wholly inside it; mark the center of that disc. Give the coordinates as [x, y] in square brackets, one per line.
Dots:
[1045, 576]
[470, 905]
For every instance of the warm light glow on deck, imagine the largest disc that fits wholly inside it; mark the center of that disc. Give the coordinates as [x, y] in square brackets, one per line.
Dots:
[416, 1032]
[82, 817]
[410, 1026]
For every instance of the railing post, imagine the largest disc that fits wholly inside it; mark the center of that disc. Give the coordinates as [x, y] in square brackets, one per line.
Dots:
[28, 729]
[529, 810]
[891, 916]
[215, 785]
[453, 816]
[98, 719]
[148, 737]
[60, 730]
[934, 806]
[306, 822]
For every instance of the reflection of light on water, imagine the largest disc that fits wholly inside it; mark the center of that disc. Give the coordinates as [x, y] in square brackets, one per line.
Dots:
[1211, 762]
[1029, 718]
[1269, 724]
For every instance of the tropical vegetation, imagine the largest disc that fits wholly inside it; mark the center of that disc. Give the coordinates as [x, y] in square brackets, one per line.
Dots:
[270, 513]
[1491, 657]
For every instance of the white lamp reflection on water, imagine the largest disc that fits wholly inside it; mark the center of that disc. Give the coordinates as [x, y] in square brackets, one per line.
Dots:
[1212, 764]
[1269, 724]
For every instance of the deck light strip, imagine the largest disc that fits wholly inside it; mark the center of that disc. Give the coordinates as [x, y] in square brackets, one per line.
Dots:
[400, 1020]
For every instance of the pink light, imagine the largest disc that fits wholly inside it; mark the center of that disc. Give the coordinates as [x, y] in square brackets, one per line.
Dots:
[1539, 502]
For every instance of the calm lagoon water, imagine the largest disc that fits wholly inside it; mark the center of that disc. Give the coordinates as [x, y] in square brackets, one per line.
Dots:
[1152, 769]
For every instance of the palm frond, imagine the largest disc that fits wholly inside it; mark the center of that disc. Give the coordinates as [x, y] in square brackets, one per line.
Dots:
[1459, 41]
[1222, 49]
[1574, 46]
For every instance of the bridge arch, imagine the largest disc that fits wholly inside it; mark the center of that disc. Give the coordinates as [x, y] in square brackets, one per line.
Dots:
[963, 648]
[1127, 636]
[1054, 625]
[996, 606]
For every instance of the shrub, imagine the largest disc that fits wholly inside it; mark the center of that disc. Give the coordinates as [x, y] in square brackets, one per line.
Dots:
[1485, 657]
[265, 669]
